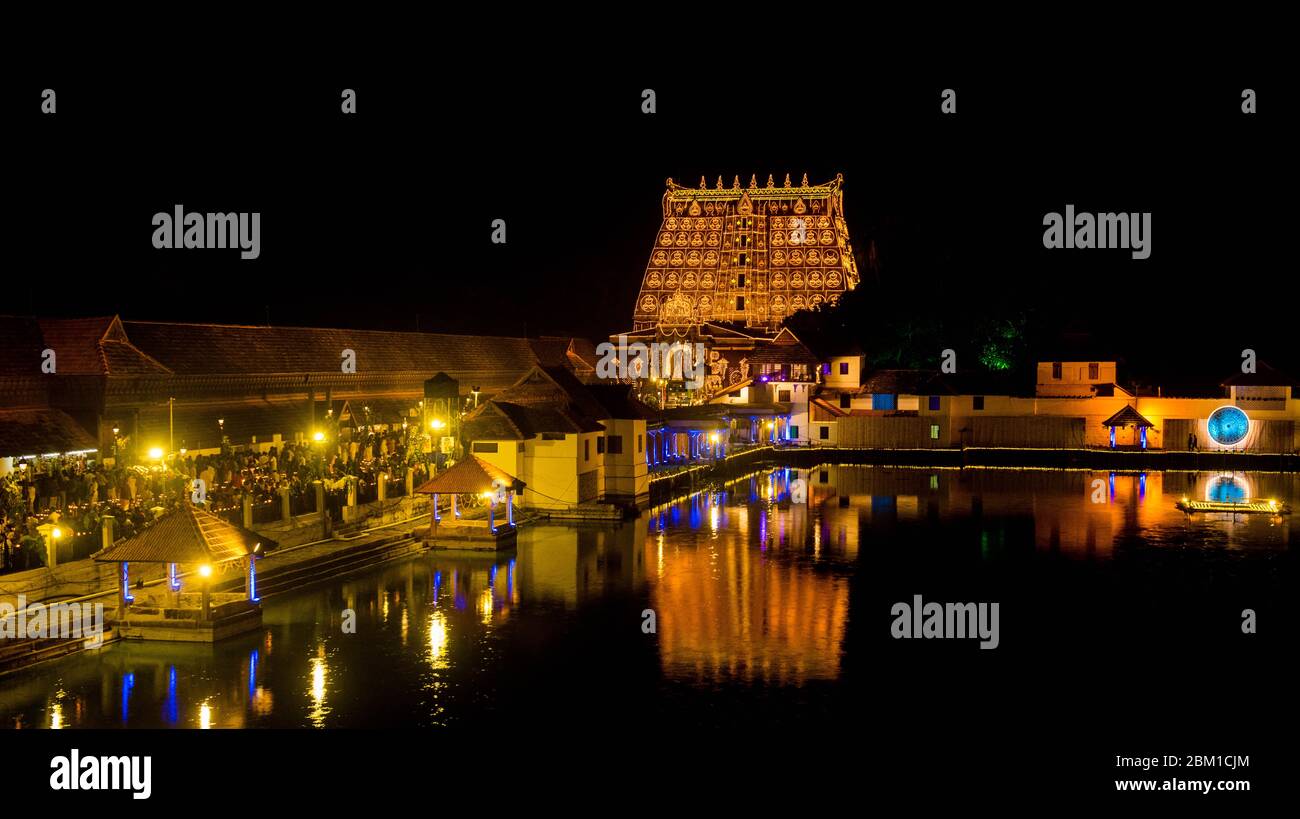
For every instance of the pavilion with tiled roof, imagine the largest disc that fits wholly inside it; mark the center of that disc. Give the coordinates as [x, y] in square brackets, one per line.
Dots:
[1128, 417]
[188, 535]
[473, 476]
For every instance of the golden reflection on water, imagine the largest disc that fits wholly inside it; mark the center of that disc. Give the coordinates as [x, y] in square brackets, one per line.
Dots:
[438, 639]
[319, 673]
[743, 604]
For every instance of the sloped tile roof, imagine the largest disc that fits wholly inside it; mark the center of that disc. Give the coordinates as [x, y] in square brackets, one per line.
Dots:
[1127, 417]
[470, 476]
[39, 430]
[555, 386]
[1264, 376]
[186, 535]
[76, 343]
[212, 349]
[620, 402]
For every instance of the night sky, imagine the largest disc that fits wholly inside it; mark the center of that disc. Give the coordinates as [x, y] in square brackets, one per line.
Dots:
[383, 220]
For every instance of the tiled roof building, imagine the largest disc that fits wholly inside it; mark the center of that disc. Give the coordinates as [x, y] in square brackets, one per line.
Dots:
[195, 382]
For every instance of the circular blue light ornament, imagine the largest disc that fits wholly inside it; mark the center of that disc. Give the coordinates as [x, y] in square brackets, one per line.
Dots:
[1228, 426]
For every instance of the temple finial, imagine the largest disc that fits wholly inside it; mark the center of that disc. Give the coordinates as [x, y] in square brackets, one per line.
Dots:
[735, 182]
[787, 180]
[769, 180]
[805, 180]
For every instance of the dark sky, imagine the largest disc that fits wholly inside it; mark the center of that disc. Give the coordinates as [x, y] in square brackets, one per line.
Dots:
[382, 220]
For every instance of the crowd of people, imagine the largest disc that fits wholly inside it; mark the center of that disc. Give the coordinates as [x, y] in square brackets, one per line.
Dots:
[76, 492]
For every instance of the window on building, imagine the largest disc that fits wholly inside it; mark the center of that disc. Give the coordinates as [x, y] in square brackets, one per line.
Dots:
[600, 446]
[742, 260]
[586, 450]
[844, 368]
[1056, 370]
[783, 396]
[934, 432]
[793, 432]
[823, 476]
[638, 444]
[979, 402]
[484, 446]
[1094, 372]
[552, 436]
[846, 400]
[616, 444]
[740, 279]
[740, 302]
[934, 403]
[824, 433]
[826, 368]
[884, 401]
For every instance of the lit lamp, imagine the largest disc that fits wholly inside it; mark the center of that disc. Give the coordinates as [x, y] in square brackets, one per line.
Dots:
[155, 453]
[205, 572]
[318, 436]
[437, 423]
[55, 534]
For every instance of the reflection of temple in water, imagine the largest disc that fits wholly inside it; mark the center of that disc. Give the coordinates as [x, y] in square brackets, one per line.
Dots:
[738, 600]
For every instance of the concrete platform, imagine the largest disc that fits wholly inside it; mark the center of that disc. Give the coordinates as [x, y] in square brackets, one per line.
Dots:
[467, 535]
[158, 619]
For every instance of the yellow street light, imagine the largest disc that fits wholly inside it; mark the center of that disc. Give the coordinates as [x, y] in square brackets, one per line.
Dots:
[205, 570]
[437, 423]
[713, 438]
[318, 436]
[155, 453]
[56, 532]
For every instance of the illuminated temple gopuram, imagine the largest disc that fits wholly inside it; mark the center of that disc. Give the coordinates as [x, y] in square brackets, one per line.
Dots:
[748, 256]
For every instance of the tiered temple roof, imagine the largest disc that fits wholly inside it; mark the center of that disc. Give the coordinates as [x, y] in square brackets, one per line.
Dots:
[750, 255]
